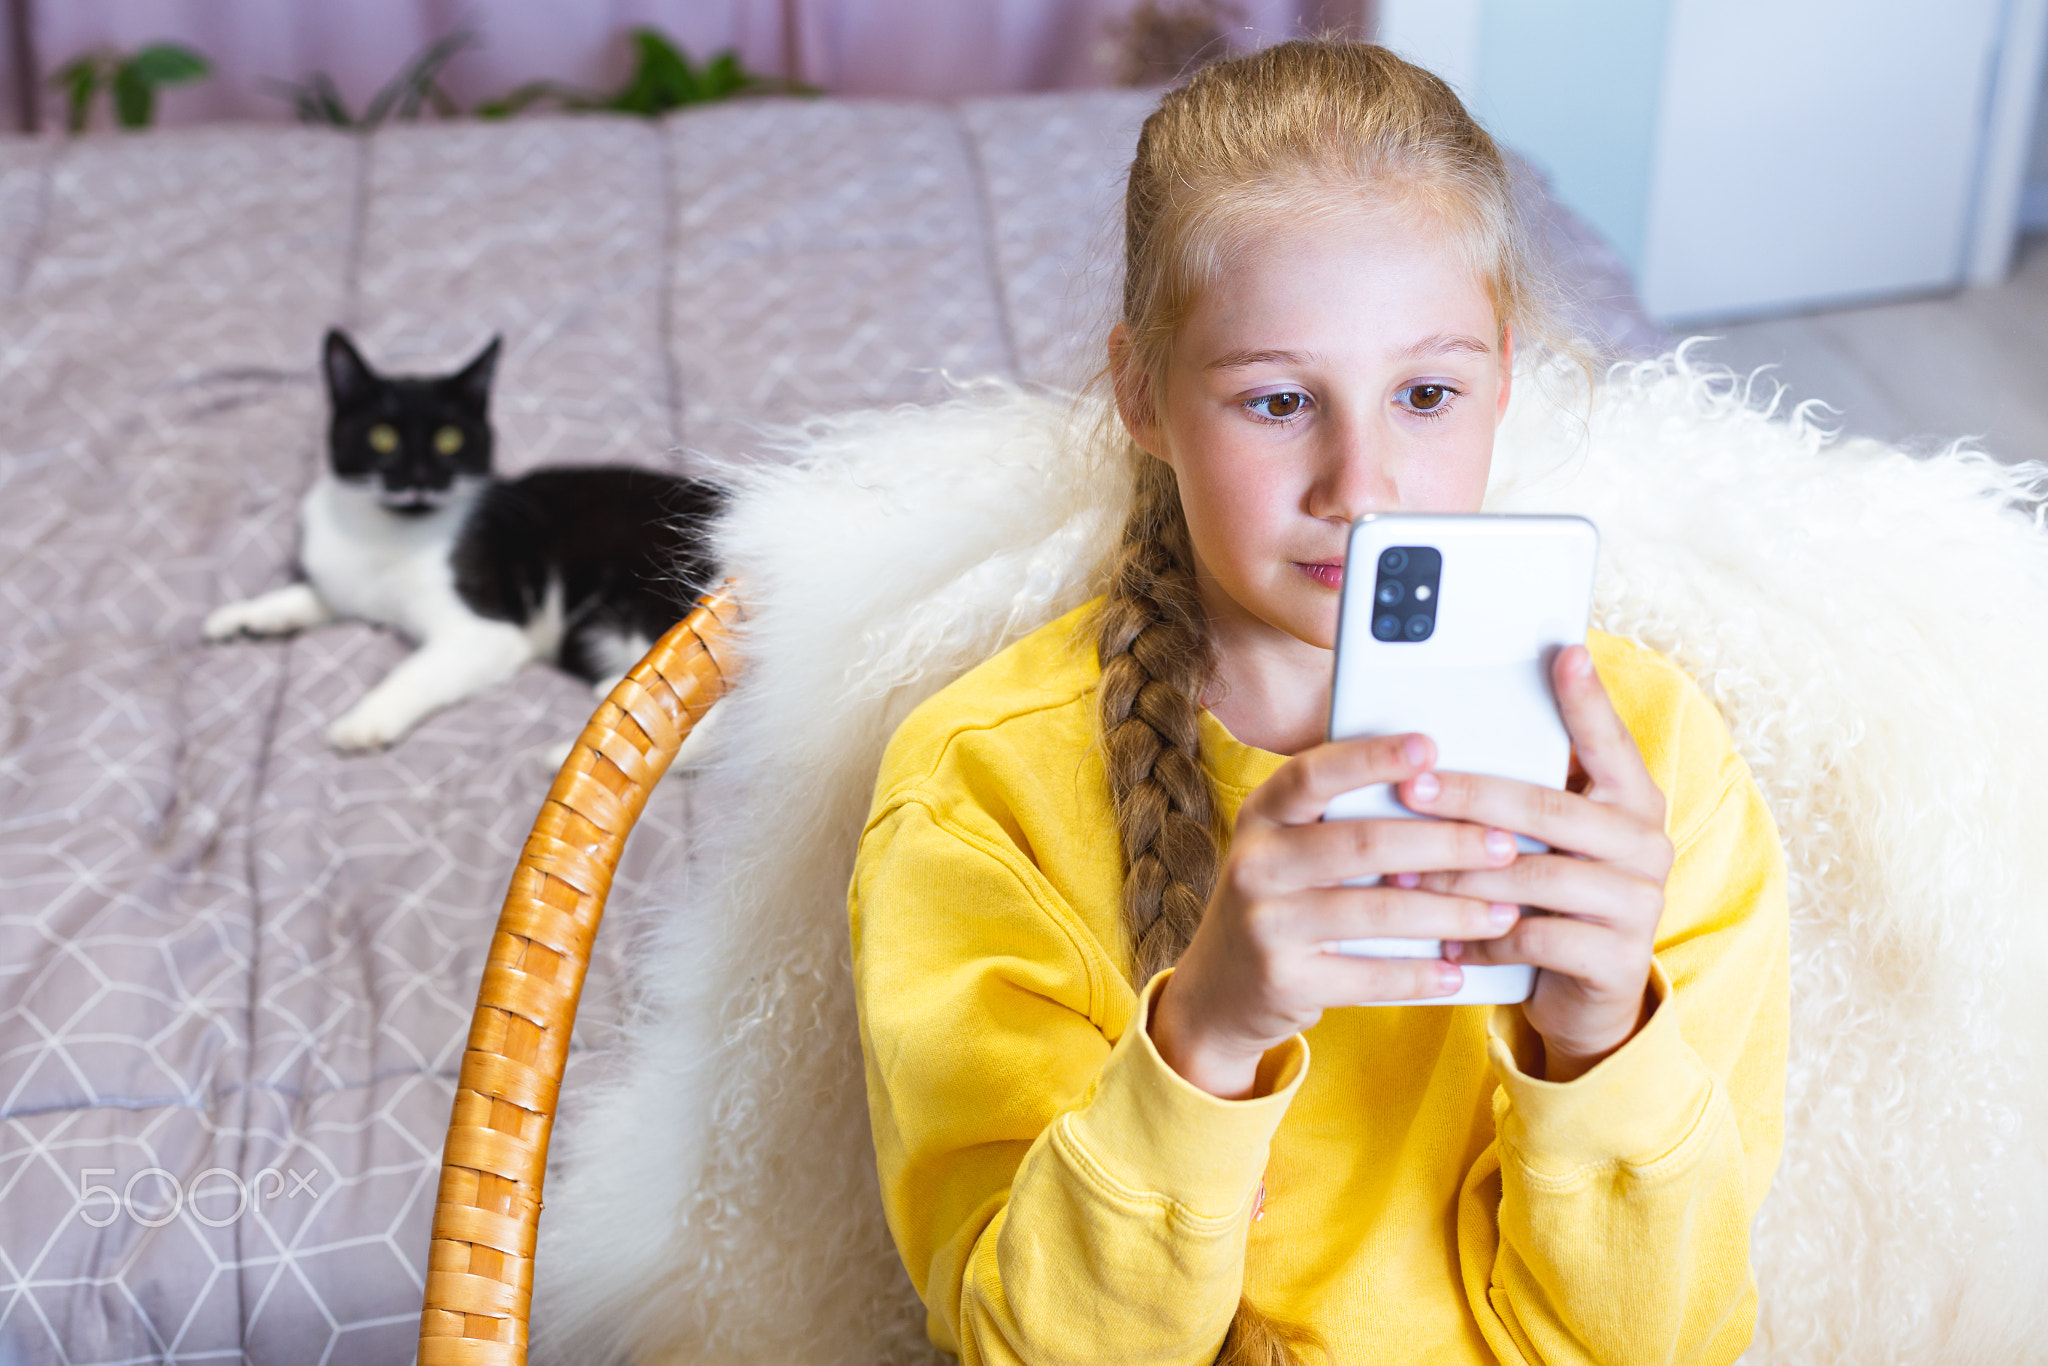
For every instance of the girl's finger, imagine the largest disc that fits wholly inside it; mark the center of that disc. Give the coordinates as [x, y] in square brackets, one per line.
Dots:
[1562, 820]
[1303, 787]
[1599, 958]
[1275, 861]
[1604, 892]
[1333, 979]
[1325, 915]
[1604, 747]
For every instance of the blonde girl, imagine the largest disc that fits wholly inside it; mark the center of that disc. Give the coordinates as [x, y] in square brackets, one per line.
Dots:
[1092, 903]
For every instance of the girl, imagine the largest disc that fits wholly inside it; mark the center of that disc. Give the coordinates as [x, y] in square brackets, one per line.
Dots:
[1090, 906]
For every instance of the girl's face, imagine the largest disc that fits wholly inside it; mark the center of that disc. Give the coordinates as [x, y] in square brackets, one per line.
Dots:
[1337, 367]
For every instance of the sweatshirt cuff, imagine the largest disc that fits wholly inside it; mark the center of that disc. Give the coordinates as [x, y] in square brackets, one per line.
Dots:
[1636, 1105]
[1149, 1133]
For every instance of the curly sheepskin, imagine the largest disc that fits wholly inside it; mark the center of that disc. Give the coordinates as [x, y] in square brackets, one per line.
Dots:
[1873, 624]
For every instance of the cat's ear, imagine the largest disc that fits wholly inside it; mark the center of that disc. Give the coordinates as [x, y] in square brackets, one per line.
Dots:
[473, 385]
[350, 380]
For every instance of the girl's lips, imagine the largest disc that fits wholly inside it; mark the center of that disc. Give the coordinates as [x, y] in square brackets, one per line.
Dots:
[1328, 573]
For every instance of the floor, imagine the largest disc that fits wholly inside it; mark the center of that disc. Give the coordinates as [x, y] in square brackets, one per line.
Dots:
[1974, 363]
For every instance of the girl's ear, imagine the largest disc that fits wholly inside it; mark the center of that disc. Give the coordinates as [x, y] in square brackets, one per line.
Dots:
[1133, 392]
[1507, 373]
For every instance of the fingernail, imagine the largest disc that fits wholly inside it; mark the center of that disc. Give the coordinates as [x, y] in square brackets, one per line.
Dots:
[1501, 913]
[1407, 879]
[1448, 977]
[1499, 843]
[1454, 949]
[1425, 787]
[1582, 662]
[1415, 749]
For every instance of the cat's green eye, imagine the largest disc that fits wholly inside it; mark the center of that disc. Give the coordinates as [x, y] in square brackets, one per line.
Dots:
[383, 438]
[448, 440]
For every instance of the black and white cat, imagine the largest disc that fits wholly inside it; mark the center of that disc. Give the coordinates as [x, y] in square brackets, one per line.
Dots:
[407, 528]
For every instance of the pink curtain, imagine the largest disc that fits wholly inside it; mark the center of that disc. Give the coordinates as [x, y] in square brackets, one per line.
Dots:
[935, 48]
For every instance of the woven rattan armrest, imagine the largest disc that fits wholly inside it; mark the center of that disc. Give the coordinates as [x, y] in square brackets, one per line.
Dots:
[480, 1262]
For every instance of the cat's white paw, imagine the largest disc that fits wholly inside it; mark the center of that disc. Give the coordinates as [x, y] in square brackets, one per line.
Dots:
[288, 609]
[362, 729]
[224, 623]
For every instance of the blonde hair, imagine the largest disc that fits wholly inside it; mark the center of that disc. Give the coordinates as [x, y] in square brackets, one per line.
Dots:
[1295, 131]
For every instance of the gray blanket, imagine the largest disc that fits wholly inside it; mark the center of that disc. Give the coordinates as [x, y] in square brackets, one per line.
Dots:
[236, 969]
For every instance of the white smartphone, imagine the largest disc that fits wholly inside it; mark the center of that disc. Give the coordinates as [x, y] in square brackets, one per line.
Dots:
[1449, 626]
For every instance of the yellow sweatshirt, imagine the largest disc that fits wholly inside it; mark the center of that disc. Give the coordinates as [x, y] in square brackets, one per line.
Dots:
[1059, 1194]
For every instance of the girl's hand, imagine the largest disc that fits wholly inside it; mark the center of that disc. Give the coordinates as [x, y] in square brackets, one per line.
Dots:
[1604, 883]
[1256, 973]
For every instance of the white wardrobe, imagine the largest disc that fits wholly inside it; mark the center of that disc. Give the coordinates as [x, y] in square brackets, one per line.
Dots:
[1758, 156]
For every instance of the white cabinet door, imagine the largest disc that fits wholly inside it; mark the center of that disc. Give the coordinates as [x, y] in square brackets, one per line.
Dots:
[1811, 151]
[1753, 156]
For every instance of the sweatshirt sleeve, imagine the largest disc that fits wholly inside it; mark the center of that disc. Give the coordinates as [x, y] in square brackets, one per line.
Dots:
[1609, 1220]
[1051, 1183]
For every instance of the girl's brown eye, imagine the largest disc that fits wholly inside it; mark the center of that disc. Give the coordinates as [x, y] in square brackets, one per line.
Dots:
[1423, 397]
[1281, 405]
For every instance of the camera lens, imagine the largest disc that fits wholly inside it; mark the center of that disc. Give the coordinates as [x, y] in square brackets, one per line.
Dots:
[1390, 592]
[1386, 626]
[1419, 627]
[1393, 561]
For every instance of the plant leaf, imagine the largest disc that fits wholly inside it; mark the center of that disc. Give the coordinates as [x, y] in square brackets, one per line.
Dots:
[324, 102]
[80, 80]
[314, 100]
[134, 98]
[637, 95]
[405, 94]
[662, 79]
[168, 64]
[531, 93]
[724, 76]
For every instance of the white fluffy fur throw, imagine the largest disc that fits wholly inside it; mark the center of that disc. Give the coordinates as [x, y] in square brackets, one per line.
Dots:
[1874, 626]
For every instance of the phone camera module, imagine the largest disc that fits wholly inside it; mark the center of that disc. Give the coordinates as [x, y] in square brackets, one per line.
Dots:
[1405, 593]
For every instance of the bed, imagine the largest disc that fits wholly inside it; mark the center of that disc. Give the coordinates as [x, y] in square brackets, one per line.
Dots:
[236, 968]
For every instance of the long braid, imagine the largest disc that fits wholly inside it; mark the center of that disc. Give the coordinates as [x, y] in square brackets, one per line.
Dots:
[1155, 655]
[1155, 660]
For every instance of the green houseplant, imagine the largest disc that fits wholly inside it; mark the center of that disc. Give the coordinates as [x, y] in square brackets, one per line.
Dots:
[131, 78]
[415, 89]
[663, 78]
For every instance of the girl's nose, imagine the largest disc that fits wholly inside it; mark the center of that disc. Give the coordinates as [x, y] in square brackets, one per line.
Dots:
[1353, 475]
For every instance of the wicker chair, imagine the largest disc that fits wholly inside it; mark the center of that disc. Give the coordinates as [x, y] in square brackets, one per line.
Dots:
[487, 1215]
